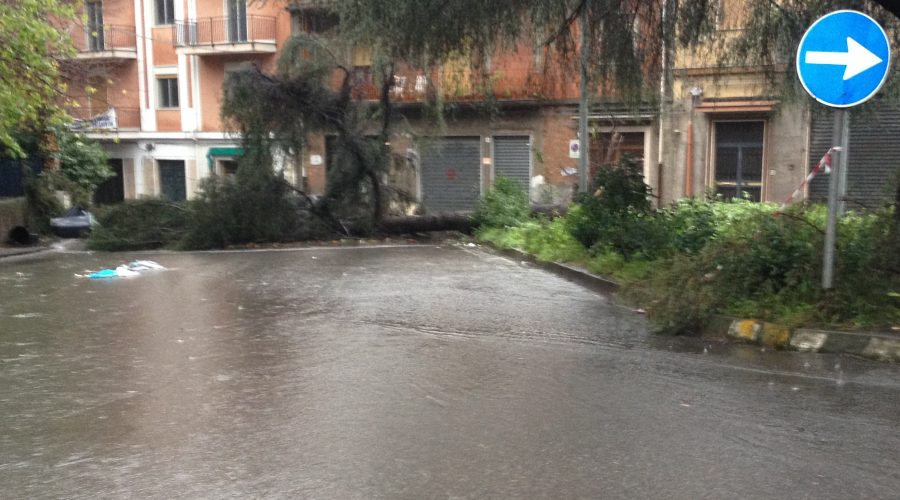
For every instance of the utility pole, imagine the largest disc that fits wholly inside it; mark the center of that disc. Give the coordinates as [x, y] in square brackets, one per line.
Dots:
[583, 105]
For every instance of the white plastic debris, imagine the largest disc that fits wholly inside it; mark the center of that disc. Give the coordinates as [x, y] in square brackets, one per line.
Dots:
[123, 271]
[145, 265]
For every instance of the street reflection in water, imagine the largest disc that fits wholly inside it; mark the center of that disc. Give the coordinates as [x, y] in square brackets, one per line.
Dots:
[410, 372]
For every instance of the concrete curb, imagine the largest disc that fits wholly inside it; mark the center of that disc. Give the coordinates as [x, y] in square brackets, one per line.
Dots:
[877, 346]
[881, 347]
[572, 273]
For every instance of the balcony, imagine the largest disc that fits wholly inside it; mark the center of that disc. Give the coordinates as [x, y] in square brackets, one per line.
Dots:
[104, 43]
[225, 35]
[93, 119]
[455, 86]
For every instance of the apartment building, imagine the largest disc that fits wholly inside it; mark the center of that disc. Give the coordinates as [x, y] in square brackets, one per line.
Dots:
[154, 70]
[152, 73]
[148, 76]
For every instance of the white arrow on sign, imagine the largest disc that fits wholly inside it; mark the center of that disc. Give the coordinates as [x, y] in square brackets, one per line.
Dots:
[857, 58]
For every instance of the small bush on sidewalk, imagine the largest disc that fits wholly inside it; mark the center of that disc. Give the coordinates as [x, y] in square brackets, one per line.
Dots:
[505, 205]
[139, 225]
[695, 259]
[768, 266]
[617, 214]
[247, 209]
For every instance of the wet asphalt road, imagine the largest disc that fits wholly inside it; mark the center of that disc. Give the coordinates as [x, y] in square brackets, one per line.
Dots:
[407, 373]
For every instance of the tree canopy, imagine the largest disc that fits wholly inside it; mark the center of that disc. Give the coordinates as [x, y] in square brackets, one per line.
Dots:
[627, 38]
[773, 30]
[31, 90]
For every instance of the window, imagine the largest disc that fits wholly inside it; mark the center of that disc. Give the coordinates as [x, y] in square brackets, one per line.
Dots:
[237, 21]
[165, 11]
[319, 21]
[227, 167]
[739, 159]
[609, 148]
[168, 92]
[94, 11]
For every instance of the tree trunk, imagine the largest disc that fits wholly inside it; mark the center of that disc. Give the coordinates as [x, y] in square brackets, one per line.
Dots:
[462, 222]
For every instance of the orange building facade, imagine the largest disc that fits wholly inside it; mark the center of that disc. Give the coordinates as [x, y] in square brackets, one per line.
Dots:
[153, 71]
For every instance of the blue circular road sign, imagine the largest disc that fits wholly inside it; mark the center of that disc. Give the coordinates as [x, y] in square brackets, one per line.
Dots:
[843, 58]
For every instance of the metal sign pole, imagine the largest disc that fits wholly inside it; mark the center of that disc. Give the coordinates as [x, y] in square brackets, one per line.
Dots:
[842, 61]
[842, 168]
[837, 137]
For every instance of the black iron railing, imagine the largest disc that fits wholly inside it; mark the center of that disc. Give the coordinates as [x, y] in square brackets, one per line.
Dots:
[211, 31]
[104, 38]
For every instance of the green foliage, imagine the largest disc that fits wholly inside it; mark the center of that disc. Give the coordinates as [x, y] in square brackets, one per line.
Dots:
[618, 215]
[83, 165]
[735, 258]
[548, 240]
[250, 208]
[41, 203]
[30, 45]
[772, 33]
[139, 225]
[610, 263]
[504, 205]
[621, 52]
[768, 266]
[691, 224]
[274, 113]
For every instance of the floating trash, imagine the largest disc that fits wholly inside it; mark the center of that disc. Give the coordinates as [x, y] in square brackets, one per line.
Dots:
[124, 271]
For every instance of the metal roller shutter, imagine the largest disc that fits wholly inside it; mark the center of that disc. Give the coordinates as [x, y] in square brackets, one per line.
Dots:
[451, 174]
[874, 156]
[512, 159]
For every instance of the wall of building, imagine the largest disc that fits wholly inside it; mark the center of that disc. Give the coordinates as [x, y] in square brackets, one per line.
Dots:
[734, 95]
[536, 92]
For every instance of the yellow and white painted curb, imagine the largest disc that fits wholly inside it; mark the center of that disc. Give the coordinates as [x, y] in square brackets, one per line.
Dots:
[882, 347]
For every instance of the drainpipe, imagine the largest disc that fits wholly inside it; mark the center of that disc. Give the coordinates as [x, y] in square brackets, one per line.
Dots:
[696, 97]
[689, 159]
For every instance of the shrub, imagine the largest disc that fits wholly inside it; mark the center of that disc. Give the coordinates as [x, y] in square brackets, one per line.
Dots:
[139, 225]
[245, 209]
[41, 203]
[82, 165]
[691, 223]
[618, 214]
[767, 266]
[547, 240]
[505, 205]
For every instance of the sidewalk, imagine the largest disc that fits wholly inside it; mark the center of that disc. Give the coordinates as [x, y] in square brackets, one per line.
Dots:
[12, 251]
[872, 345]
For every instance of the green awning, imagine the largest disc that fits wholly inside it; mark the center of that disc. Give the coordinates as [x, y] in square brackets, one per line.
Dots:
[222, 152]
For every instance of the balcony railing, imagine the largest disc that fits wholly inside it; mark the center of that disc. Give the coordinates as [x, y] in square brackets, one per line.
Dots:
[455, 86]
[246, 34]
[108, 41]
[92, 119]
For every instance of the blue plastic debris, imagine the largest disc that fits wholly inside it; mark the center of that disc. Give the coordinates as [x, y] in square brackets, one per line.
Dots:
[103, 274]
[124, 271]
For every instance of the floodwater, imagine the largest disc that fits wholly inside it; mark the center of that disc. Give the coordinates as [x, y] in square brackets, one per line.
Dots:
[406, 373]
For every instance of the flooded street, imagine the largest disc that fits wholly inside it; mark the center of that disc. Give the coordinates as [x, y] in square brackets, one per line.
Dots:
[406, 373]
